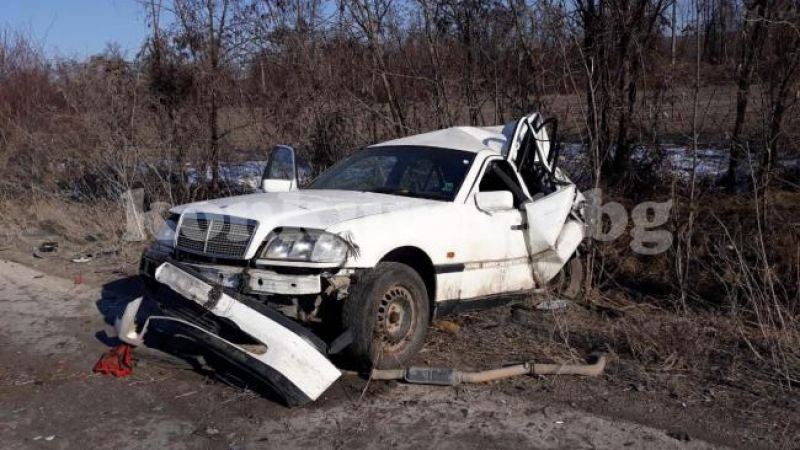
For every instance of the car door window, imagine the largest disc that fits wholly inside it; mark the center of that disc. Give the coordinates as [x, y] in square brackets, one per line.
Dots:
[499, 176]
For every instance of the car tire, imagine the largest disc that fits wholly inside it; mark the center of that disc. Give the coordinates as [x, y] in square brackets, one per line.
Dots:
[151, 286]
[388, 313]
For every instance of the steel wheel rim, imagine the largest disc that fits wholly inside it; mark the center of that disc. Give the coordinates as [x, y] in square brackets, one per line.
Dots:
[396, 313]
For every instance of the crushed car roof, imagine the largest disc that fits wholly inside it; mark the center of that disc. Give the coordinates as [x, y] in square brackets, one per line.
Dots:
[470, 139]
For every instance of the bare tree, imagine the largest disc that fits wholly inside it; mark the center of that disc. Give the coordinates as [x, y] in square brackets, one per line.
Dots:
[431, 12]
[616, 35]
[205, 29]
[781, 70]
[754, 31]
[370, 18]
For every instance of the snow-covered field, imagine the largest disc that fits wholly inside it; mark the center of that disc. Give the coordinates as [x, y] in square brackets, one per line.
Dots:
[675, 160]
[245, 174]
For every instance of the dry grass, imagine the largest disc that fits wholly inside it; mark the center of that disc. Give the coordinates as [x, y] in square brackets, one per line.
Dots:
[704, 344]
[81, 229]
[737, 313]
[71, 221]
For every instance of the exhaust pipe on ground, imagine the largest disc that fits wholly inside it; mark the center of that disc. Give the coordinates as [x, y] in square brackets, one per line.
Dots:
[452, 377]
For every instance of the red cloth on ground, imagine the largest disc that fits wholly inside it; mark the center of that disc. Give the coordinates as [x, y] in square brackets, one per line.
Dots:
[116, 361]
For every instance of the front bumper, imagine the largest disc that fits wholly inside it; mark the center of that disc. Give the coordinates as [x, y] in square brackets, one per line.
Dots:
[248, 280]
[294, 365]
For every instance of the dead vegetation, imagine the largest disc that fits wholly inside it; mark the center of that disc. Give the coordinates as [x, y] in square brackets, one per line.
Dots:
[327, 77]
[737, 307]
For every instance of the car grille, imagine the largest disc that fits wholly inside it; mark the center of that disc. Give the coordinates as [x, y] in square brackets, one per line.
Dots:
[217, 236]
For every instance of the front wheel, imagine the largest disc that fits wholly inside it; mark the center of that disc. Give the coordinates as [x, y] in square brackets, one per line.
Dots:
[388, 313]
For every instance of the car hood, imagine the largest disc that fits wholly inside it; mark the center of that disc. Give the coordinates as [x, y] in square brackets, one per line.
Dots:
[310, 208]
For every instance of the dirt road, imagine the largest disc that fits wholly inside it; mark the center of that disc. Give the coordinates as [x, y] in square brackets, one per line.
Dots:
[52, 332]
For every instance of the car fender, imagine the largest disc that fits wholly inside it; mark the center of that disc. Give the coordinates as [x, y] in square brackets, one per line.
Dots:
[436, 230]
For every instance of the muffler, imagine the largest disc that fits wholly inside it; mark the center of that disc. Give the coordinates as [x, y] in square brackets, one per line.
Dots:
[452, 377]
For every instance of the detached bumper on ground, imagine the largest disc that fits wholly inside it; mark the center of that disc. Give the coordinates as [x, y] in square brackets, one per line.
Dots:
[293, 365]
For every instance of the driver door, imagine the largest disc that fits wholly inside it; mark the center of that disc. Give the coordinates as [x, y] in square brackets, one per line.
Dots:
[497, 260]
[552, 198]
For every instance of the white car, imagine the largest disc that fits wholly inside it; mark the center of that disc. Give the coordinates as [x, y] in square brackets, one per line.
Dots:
[370, 252]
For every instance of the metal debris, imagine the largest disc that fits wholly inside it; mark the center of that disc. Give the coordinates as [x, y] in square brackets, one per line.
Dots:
[553, 305]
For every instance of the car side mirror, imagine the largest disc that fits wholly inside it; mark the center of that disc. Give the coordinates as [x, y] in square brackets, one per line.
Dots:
[280, 174]
[268, 185]
[494, 201]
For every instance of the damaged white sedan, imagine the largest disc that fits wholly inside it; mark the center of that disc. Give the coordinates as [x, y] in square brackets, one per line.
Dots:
[367, 254]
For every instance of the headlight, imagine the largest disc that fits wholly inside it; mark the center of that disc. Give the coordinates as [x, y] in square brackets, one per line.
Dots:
[300, 244]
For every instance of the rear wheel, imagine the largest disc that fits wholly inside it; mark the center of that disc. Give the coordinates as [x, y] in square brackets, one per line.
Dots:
[569, 283]
[388, 313]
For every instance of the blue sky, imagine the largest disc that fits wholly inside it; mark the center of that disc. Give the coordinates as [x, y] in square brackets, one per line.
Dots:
[77, 28]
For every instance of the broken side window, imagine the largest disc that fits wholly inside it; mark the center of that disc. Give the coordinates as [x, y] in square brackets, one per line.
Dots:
[499, 176]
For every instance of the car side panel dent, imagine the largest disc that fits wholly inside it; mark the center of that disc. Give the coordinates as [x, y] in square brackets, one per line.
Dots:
[550, 263]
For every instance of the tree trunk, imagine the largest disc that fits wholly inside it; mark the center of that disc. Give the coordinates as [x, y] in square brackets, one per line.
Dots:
[744, 77]
[213, 127]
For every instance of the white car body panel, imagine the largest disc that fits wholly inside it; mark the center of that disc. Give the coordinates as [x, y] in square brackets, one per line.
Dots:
[296, 360]
[286, 352]
[518, 131]
[546, 217]
[468, 139]
[549, 263]
[305, 208]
